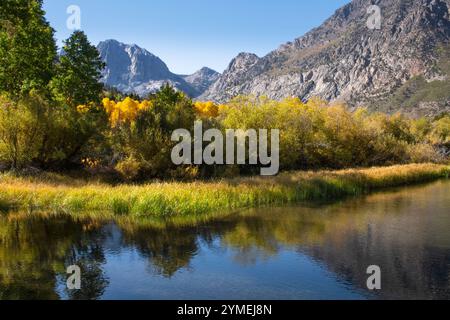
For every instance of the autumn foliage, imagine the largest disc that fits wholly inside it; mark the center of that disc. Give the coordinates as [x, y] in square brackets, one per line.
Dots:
[124, 111]
[127, 110]
[207, 109]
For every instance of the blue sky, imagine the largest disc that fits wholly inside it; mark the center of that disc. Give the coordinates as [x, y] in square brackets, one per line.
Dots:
[188, 35]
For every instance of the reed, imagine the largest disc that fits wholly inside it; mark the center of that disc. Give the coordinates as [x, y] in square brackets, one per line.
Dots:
[175, 199]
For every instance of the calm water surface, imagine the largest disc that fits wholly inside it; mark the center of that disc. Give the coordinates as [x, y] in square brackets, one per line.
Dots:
[304, 252]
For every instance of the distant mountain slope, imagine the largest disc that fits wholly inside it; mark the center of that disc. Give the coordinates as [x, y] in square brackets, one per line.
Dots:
[133, 69]
[345, 60]
[202, 79]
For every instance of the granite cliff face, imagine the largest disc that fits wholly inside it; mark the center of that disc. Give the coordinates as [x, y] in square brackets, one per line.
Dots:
[202, 79]
[346, 60]
[132, 69]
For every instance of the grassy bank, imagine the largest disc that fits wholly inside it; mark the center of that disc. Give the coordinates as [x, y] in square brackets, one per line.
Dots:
[56, 193]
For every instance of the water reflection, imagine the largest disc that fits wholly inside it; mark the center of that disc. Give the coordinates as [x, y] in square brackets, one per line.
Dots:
[34, 251]
[291, 253]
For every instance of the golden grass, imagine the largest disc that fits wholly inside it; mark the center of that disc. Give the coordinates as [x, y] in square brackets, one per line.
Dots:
[173, 199]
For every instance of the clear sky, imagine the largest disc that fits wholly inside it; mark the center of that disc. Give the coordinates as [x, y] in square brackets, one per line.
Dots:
[188, 35]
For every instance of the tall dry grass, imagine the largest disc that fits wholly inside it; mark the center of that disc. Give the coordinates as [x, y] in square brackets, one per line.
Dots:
[173, 199]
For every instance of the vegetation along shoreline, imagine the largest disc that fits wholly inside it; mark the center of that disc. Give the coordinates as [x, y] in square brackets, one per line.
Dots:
[189, 199]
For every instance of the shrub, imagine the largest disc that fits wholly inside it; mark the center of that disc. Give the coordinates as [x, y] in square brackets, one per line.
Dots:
[142, 130]
[423, 153]
[441, 131]
[21, 131]
[129, 168]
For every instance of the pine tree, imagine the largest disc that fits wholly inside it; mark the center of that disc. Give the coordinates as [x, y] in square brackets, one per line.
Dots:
[78, 73]
[27, 48]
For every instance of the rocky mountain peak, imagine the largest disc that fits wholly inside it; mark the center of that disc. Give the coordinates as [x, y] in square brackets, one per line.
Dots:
[133, 69]
[202, 79]
[243, 61]
[344, 59]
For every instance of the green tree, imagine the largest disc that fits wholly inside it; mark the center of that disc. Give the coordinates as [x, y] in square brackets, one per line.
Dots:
[144, 145]
[27, 48]
[172, 109]
[21, 130]
[77, 81]
[76, 84]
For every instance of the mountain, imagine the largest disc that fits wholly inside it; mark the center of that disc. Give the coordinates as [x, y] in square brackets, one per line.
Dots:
[403, 65]
[202, 79]
[132, 69]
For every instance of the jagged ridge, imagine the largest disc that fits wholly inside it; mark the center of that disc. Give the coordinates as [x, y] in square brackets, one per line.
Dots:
[345, 60]
[132, 69]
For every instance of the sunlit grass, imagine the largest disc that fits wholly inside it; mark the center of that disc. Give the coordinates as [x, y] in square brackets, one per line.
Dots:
[175, 199]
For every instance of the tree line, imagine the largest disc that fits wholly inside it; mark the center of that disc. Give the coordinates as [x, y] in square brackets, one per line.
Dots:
[55, 114]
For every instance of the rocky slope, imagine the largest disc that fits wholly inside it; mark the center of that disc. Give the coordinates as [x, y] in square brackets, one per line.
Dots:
[202, 79]
[132, 69]
[345, 60]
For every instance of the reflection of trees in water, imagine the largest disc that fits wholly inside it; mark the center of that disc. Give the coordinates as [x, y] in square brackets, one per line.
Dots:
[401, 233]
[89, 255]
[167, 251]
[346, 237]
[350, 236]
[34, 252]
[20, 253]
[171, 249]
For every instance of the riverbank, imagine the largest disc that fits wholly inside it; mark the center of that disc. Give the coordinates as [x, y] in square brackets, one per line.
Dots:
[172, 199]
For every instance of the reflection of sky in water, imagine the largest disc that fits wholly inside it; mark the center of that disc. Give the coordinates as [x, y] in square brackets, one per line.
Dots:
[214, 275]
[318, 252]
